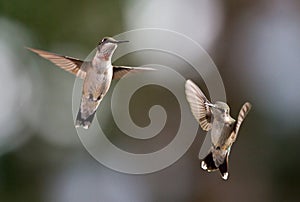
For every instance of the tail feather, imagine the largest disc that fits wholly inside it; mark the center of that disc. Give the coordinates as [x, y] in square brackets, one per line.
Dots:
[86, 112]
[85, 123]
[208, 164]
[223, 168]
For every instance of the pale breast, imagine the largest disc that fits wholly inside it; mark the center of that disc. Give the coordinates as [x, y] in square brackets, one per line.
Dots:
[97, 83]
[221, 131]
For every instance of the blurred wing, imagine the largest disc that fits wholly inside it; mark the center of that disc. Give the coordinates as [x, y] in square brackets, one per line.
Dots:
[120, 71]
[197, 102]
[69, 64]
[242, 115]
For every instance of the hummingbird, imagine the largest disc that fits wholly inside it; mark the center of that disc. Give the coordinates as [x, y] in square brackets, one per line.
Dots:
[97, 74]
[216, 119]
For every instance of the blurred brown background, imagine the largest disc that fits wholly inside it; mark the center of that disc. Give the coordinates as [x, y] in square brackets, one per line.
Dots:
[256, 47]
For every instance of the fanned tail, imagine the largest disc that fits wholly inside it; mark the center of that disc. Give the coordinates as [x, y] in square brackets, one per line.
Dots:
[209, 164]
[86, 112]
[85, 123]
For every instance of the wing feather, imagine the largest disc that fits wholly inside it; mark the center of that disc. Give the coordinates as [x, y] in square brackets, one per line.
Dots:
[120, 71]
[242, 115]
[197, 101]
[69, 64]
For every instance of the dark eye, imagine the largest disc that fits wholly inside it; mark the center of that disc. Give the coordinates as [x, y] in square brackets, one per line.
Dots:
[103, 40]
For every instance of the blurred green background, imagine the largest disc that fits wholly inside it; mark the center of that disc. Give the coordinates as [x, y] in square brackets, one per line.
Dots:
[256, 47]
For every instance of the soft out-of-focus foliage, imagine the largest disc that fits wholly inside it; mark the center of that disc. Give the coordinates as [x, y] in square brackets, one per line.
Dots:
[254, 44]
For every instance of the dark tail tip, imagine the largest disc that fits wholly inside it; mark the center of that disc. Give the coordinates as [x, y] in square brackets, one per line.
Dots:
[85, 123]
[223, 168]
[208, 164]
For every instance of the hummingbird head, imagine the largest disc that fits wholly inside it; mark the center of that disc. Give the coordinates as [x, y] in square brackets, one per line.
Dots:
[107, 46]
[219, 108]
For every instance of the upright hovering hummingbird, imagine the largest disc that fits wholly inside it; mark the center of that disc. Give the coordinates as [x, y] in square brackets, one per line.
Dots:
[216, 119]
[97, 75]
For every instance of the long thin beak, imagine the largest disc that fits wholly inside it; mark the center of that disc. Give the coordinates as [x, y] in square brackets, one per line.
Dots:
[123, 41]
[209, 104]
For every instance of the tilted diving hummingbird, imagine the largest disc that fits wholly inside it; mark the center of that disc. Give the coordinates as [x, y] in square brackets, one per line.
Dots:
[97, 75]
[216, 119]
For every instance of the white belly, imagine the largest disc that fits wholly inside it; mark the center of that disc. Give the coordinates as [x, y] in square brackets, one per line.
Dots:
[97, 83]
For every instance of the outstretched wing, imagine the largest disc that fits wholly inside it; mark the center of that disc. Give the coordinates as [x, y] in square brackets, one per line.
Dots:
[242, 115]
[197, 101]
[120, 71]
[72, 65]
